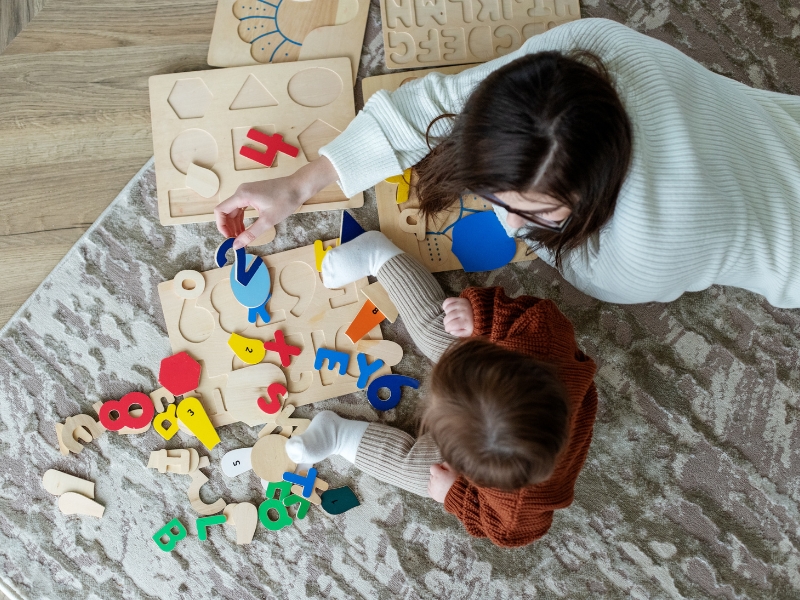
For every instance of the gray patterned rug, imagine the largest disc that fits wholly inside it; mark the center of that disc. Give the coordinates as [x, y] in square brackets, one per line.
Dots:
[692, 484]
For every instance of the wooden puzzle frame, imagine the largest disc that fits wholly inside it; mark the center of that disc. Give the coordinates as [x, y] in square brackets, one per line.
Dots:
[228, 49]
[309, 103]
[427, 33]
[310, 316]
[433, 250]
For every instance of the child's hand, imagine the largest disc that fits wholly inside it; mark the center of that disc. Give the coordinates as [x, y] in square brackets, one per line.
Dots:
[274, 199]
[442, 479]
[458, 319]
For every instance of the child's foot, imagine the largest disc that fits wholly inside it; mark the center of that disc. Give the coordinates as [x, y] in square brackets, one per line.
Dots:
[358, 258]
[328, 434]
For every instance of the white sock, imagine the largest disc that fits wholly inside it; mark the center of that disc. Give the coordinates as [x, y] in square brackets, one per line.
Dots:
[328, 434]
[358, 258]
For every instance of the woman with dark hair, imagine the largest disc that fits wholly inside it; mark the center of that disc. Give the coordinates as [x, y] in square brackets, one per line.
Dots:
[633, 169]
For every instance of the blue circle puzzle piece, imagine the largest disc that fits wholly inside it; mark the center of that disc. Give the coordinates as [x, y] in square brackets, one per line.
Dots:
[257, 290]
[481, 244]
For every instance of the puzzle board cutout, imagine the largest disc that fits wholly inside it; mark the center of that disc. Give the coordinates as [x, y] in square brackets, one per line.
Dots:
[252, 32]
[310, 316]
[396, 220]
[425, 33]
[203, 117]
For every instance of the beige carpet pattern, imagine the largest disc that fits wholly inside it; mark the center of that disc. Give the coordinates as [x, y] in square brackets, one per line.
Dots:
[692, 484]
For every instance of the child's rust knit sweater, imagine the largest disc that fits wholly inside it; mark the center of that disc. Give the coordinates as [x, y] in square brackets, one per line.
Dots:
[537, 328]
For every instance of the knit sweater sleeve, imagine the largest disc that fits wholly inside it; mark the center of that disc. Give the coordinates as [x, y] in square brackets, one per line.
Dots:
[388, 135]
[506, 518]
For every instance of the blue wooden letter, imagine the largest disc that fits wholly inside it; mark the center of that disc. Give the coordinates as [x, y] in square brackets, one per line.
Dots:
[307, 481]
[365, 370]
[334, 357]
[393, 383]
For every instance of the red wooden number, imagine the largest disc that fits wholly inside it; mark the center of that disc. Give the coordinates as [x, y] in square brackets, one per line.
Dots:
[275, 402]
[122, 407]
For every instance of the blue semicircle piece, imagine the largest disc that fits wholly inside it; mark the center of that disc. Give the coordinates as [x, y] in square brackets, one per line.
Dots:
[256, 292]
[481, 244]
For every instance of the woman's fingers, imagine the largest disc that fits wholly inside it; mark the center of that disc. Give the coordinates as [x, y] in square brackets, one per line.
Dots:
[244, 238]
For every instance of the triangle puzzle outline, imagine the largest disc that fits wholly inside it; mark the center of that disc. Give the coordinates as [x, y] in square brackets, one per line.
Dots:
[253, 94]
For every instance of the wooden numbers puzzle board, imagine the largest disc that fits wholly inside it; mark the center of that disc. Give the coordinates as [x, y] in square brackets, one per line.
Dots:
[203, 117]
[309, 315]
[430, 242]
[252, 32]
[425, 33]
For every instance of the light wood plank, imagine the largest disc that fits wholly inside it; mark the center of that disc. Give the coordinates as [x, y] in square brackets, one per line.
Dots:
[14, 16]
[20, 275]
[66, 25]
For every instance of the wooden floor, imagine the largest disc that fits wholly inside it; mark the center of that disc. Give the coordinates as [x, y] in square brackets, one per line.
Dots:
[75, 119]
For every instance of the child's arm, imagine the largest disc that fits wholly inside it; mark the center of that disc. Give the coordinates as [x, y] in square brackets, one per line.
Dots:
[414, 291]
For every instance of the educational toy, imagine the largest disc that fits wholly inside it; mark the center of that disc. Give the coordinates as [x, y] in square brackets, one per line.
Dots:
[203, 523]
[71, 503]
[124, 417]
[245, 387]
[244, 517]
[302, 510]
[349, 229]
[172, 538]
[338, 500]
[367, 318]
[273, 404]
[58, 483]
[402, 181]
[191, 413]
[236, 462]
[319, 486]
[179, 373]
[304, 480]
[319, 254]
[393, 383]
[198, 481]
[495, 248]
[203, 118]
[133, 412]
[288, 426]
[274, 143]
[203, 181]
[429, 240]
[334, 358]
[161, 398]
[248, 350]
[179, 460]
[83, 427]
[168, 416]
[284, 350]
[253, 32]
[283, 520]
[366, 370]
[269, 458]
[308, 315]
[425, 33]
[377, 294]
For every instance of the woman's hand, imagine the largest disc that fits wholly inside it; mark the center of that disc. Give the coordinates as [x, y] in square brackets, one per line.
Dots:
[273, 199]
[442, 479]
[458, 317]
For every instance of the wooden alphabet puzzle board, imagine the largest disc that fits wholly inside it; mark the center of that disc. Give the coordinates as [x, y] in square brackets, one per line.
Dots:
[429, 241]
[203, 118]
[252, 32]
[425, 33]
[201, 319]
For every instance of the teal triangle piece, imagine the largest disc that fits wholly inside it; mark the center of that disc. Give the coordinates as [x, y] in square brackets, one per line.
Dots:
[350, 229]
[338, 500]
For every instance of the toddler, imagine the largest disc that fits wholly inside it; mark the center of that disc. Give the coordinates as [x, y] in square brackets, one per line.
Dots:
[511, 405]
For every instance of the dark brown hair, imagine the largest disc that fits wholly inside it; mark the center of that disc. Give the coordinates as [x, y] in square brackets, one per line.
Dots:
[548, 123]
[499, 417]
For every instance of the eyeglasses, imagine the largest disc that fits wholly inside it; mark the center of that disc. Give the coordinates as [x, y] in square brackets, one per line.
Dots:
[534, 218]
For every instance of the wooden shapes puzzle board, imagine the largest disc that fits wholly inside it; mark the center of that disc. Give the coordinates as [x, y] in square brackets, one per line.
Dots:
[426, 33]
[428, 240]
[203, 118]
[309, 315]
[252, 32]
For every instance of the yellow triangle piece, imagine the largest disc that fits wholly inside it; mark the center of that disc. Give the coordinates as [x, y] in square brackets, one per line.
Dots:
[403, 187]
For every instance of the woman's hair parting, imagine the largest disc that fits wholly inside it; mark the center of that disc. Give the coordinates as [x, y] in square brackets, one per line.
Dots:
[499, 417]
[547, 122]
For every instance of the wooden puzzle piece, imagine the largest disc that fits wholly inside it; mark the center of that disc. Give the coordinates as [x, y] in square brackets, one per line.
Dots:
[269, 458]
[203, 523]
[289, 426]
[274, 393]
[403, 185]
[161, 397]
[198, 481]
[244, 517]
[249, 350]
[338, 500]
[302, 510]
[180, 460]
[172, 538]
[134, 412]
[411, 220]
[189, 285]
[284, 350]
[236, 462]
[83, 427]
[168, 416]
[393, 383]
[366, 370]
[71, 503]
[192, 414]
[305, 480]
[135, 420]
[378, 295]
[389, 352]
[319, 486]
[245, 387]
[319, 254]
[203, 181]
[349, 229]
[179, 373]
[274, 144]
[58, 483]
[367, 318]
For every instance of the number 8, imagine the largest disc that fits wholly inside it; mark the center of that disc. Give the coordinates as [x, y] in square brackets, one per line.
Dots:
[122, 407]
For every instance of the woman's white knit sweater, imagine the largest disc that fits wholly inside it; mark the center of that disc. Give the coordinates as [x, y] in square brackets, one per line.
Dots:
[713, 193]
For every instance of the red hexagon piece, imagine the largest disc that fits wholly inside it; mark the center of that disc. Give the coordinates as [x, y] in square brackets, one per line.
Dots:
[179, 373]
